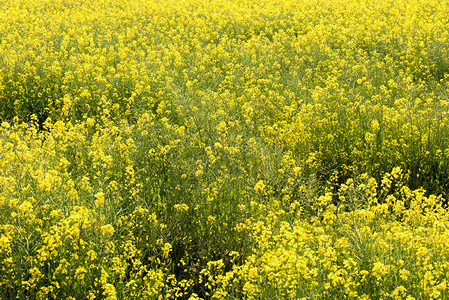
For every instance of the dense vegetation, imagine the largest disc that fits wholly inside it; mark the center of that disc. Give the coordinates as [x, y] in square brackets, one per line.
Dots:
[224, 149]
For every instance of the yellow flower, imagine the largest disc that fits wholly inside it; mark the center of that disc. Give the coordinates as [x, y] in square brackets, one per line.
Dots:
[404, 274]
[26, 207]
[375, 125]
[260, 186]
[99, 199]
[166, 249]
[80, 272]
[399, 293]
[181, 207]
[107, 230]
[5, 242]
[109, 292]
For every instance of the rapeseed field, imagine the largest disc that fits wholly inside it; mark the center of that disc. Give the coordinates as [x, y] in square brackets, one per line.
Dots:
[203, 149]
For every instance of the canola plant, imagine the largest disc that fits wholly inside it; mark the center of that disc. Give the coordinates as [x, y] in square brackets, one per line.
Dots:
[199, 149]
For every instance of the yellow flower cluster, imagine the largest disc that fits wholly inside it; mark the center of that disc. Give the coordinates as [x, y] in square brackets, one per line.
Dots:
[365, 253]
[205, 149]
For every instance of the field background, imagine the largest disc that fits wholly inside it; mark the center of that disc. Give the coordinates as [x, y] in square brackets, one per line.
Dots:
[224, 149]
